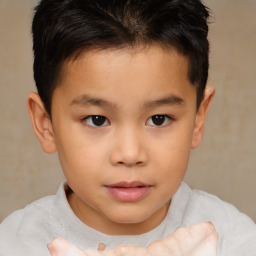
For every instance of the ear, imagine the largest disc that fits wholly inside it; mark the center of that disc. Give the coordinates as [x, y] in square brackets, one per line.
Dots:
[201, 116]
[41, 122]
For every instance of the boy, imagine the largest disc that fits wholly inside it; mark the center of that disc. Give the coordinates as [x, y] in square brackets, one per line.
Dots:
[122, 99]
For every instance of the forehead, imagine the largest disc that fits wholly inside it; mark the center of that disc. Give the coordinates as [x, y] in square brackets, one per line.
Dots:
[126, 72]
[143, 57]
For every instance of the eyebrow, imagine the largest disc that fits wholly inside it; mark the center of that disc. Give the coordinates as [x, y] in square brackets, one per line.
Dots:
[169, 100]
[86, 100]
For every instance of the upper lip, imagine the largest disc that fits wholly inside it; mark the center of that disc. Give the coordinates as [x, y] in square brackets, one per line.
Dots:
[125, 184]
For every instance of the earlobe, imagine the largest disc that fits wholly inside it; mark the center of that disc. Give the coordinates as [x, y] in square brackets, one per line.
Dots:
[201, 116]
[41, 122]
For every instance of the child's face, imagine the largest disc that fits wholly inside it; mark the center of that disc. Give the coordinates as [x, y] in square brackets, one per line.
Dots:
[123, 124]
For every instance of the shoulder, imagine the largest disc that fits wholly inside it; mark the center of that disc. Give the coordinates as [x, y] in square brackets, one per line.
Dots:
[31, 210]
[211, 205]
[237, 232]
[22, 230]
[31, 214]
[218, 210]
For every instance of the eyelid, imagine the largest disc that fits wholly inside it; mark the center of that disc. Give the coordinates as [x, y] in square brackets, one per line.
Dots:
[90, 123]
[166, 122]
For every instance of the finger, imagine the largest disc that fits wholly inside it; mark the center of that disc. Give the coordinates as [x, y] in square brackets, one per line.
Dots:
[204, 233]
[208, 240]
[197, 240]
[128, 250]
[62, 247]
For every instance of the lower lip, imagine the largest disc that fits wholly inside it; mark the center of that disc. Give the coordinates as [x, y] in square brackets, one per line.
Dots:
[129, 194]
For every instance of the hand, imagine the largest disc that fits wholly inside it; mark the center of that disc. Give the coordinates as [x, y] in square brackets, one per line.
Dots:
[62, 247]
[198, 240]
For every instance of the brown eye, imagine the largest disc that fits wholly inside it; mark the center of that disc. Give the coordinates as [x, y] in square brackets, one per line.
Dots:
[159, 120]
[97, 121]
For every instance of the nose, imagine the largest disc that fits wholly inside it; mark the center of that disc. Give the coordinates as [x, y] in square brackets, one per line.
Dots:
[129, 149]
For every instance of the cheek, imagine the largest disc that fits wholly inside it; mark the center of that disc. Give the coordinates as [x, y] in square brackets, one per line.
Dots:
[174, 148]
[171, 171]
[174, 164]
[78, 155]
[172, 154]
[81, 169]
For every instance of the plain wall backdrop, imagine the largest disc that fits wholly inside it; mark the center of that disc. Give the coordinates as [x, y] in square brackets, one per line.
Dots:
[225, 162]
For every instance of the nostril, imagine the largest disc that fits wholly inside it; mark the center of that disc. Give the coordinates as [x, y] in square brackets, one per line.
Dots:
[130, 164]
[139, 163]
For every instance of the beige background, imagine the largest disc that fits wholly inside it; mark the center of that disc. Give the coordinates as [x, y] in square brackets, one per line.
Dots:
[225, 162]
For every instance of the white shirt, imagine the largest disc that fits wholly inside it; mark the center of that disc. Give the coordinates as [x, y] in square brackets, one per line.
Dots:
[28, 231]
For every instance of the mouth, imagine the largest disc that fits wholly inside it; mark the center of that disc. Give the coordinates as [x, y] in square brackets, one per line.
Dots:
[129, 191]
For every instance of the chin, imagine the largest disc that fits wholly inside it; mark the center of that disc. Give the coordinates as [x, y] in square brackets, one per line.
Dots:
[126, 217]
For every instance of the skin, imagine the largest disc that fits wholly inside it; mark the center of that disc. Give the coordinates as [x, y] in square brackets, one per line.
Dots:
[198, 240]
[127, 87]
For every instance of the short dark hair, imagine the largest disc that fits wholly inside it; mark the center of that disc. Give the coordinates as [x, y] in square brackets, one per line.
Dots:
[62, 29]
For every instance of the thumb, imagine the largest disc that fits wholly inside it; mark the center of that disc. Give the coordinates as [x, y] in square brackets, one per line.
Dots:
[61, 247]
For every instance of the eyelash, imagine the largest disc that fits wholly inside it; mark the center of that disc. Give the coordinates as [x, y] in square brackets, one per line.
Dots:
[159, 117]
[103, 121]
[100, 119]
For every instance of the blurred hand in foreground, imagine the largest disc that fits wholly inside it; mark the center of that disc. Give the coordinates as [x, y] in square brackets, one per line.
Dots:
[198, 240]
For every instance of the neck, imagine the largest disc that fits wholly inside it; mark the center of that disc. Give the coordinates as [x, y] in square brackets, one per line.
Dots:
[101, 223]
